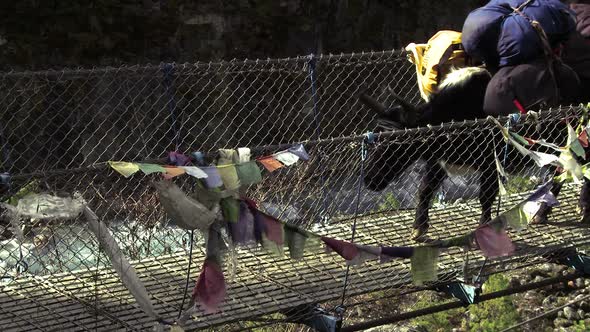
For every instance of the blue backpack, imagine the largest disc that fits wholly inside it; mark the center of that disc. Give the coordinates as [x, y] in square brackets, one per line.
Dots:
[501, 36]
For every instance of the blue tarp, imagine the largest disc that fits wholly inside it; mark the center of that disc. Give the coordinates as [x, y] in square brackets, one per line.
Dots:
[497, 35]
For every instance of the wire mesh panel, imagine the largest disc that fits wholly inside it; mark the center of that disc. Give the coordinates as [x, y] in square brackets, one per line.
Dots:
[59, 128]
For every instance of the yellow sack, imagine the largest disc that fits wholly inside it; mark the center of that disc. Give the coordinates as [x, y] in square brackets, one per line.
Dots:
[435, 59]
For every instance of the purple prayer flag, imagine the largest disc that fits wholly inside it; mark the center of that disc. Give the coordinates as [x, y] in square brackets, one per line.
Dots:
[213, 179]
[389, 253]
[178, 159]
[258, 226]
[345, 249]
[493, 242]
[544, 194]
[242, 232]
[299, 151]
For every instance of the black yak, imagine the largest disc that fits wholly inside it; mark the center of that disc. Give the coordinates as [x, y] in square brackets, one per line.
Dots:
[460, 97]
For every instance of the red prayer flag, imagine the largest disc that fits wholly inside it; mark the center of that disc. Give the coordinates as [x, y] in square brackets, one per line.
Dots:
[273, 229]
[493, 242]
[583, 138]
[210, 287]
[270, 163]
[345, 249]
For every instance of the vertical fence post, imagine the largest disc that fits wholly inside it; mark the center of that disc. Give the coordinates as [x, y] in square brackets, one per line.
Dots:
[169, 88]
[318, 132]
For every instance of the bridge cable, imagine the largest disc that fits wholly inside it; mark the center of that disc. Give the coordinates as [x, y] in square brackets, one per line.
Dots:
[369, 137]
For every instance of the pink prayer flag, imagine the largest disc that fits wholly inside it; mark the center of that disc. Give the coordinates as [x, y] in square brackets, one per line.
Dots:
[210, 287]
[494, 242]
[273, 229]
[345, 249]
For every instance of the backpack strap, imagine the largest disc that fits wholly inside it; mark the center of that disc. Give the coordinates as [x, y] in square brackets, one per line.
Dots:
[550, 57]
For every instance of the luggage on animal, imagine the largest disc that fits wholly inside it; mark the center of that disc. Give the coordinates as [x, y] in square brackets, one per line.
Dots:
[502, 33]
[435, 59]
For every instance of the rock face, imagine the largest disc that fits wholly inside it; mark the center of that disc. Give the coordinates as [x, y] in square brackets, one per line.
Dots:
[41, 34]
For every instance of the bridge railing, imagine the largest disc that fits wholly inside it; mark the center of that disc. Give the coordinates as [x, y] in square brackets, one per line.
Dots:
[59, 128]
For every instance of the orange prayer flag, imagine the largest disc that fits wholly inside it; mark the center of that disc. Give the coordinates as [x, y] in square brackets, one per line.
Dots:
[173, 172]
[270, 163]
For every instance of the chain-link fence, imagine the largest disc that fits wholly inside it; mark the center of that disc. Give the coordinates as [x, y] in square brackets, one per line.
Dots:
[59, 128]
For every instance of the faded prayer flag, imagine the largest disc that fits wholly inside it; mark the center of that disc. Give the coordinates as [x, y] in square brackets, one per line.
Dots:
[424, 265]
[210, 288]
[124, 168]
[287, 158]
[229, 176]
[248, 173]
[151, 168]
[493, 242]
[213, 179]
[194, 172]
[299, 151]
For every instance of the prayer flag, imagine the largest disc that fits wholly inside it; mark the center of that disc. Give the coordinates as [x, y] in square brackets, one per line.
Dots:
[345, 249]
[151, 168]
[230, 207]
[493, 242]
[365, 253]
[248, 173]
[210, 288]
[424, 266]
[185, 212]
[287, 158]
[178, 159]
[229, 176]
[173, 172]
[243, 231]
[519, 138]
[213, 179]
[244, 155]
[573, 142]
[228, 157]
[389, 253]
[273, 237]
[299, 151]
[270, 163]
[124, 168]
[124, 269]
[194, 172]
[583, 138]
[295, 241]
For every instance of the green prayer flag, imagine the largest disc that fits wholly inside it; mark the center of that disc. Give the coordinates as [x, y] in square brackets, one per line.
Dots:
[519, 138]
[516, 218]
[424, 265]
[574, 144]
[230, 208]
[295, 242]
[229, 176]
[249, 173]
[151, 168]
[272, 246]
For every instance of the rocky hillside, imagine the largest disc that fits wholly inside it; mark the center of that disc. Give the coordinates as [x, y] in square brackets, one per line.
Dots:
[37, 34]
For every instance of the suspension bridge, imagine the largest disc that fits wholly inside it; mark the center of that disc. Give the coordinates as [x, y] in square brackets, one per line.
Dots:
[58, 128]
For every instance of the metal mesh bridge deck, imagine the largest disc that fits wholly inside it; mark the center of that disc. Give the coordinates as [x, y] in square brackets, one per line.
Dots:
[265, 283]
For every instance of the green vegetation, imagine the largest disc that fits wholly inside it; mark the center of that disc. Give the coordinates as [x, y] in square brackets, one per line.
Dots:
[496, 314]
[389, 203]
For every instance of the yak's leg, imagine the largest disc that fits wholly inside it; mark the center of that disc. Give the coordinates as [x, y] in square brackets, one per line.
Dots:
[542, 215]
[434, 177]
[488, 190]
[585, 201]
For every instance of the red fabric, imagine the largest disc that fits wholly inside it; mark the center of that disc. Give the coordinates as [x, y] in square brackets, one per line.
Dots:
[345, 249]
[583, 138]
[494, 242]
[210, 287]
[273, 229]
